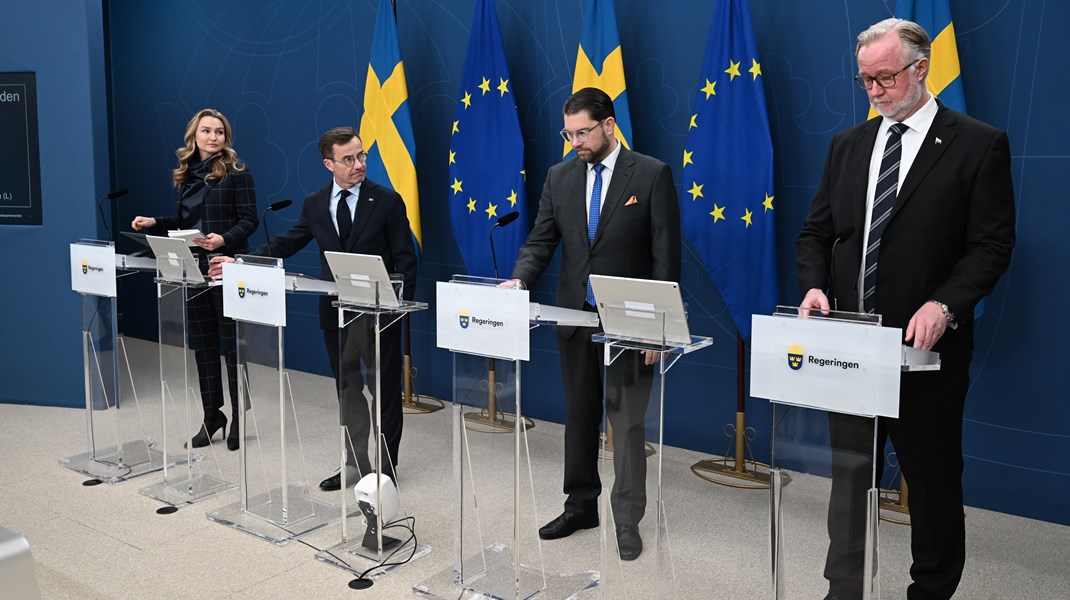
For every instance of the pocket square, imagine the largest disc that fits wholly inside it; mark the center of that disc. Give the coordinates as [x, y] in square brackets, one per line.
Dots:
[631, 201]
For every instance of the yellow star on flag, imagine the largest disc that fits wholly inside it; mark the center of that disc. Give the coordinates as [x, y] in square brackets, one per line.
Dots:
[755, 68]
[485, 86]
[492, 210]
[456, 185]
[512, 198]
[456, 129]
[524, 172]
[709, 89]
[503, 87]
[695, 191]
[471, 206]
[694, 121]
[746, 218]
[718, 213]
[768, 204]
[453, 157]
[687, 158]
[467, 100]
[732, 70]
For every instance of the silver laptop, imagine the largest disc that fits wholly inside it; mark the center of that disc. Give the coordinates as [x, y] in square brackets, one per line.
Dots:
[357, 274]
[632, 308]
[174, 261]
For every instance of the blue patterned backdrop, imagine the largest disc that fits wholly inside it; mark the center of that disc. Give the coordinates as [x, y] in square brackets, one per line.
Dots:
[285, 71]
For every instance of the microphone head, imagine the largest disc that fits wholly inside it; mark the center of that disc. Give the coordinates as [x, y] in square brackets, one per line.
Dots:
[508, 218]
[116, 193]
[845, 234]
[281, 204]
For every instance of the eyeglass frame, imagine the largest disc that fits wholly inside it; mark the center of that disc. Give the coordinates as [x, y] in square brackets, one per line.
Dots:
[581, 134]
[351, 160]
[860, 79]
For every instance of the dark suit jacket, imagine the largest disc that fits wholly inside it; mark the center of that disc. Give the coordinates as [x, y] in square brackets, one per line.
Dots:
[641, 240]
[949, 237]
[229, 210]
[380, 227]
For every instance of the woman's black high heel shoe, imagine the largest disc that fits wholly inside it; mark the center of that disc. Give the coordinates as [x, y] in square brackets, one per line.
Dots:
[234, 436]
[216, 422]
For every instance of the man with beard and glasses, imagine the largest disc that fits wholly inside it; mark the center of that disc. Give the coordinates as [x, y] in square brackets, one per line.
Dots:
[613, 212]
[929, 192]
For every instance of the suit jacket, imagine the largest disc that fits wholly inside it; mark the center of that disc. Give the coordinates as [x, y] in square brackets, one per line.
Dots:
[229, 210]
[380, 227]
[640, 240]
[949, 237]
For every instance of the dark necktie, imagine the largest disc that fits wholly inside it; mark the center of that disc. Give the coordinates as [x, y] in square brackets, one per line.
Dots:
[345, 220]
[883, 202]
[592, 221]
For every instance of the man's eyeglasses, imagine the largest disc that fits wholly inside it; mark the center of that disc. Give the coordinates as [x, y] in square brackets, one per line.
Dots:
[582, 134]
[884, 80]
[351, 160]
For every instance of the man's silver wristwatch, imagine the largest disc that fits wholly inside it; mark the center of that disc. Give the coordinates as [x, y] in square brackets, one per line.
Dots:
[950, 316]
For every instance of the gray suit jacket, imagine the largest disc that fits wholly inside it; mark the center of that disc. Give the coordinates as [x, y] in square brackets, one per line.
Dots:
[639, 239]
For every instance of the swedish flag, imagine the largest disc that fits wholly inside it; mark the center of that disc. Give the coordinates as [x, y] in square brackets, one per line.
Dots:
[386, 128]
[599, 64]
[945, 77]
[486, 152]
[727, 209]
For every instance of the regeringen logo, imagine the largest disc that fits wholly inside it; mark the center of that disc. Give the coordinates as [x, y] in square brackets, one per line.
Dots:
[797, 357]
[86, 268]
[465, 319]
[248, 291]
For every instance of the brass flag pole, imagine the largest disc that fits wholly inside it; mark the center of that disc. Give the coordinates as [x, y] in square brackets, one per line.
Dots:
[735, 469]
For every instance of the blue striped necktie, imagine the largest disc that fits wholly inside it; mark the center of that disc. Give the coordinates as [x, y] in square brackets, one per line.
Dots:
[883, 202]
[592, 221]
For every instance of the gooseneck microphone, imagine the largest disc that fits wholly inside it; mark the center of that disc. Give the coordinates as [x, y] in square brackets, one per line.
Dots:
[502, 222]
[281, 204]
[844, 235]
[112, 195]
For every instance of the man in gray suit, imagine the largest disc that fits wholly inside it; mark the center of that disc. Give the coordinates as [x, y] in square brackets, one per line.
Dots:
[613, 212]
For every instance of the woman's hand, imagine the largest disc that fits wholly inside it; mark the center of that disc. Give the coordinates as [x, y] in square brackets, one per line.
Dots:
[140, 223]
[213, 241]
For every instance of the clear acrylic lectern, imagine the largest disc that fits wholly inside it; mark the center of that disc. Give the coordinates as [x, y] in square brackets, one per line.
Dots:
[275, 503]
[496, 549]
[188, 476]
[829, 378]
[118, 445]
[634, 328]
[375, 535]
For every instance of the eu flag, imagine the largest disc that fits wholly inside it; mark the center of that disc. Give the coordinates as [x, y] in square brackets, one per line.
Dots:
[727, 208]
[386, 128]
[486, 153]
[599, 64]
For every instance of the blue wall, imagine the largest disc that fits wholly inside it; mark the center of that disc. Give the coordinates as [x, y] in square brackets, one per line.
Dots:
[286, 71]
[40, 345]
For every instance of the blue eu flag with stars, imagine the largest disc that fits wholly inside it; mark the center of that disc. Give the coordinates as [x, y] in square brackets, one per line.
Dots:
[727, 207]
[486, 153]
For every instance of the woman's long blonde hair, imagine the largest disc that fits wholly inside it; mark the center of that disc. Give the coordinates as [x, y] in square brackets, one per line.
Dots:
[228, 159]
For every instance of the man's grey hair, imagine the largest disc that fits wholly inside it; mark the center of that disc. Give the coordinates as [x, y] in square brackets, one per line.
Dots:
[916, 43]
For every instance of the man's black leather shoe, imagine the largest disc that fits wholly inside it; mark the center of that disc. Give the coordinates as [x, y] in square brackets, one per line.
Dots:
[332, 483]
[567, 524]
[629, 544]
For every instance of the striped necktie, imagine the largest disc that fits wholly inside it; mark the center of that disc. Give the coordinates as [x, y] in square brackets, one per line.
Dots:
[592, 221]
[883, 202]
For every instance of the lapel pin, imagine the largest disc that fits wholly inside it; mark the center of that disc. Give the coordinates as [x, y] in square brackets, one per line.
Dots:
[939, 141]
